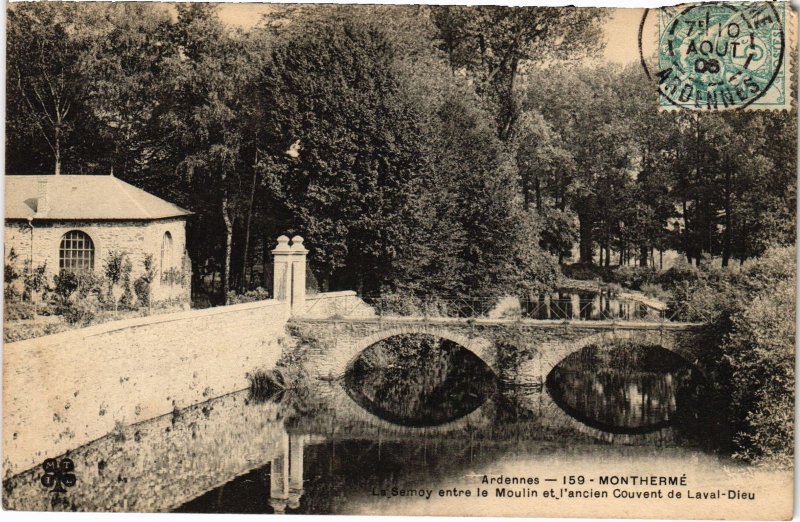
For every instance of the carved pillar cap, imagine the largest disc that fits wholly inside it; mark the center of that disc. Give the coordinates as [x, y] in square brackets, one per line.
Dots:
[297, 245]
[283, 245]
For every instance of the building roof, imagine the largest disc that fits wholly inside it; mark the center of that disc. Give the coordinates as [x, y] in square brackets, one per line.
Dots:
[82, 198]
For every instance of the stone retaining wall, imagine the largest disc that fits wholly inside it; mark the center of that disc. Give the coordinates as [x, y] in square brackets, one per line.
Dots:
[64, 390]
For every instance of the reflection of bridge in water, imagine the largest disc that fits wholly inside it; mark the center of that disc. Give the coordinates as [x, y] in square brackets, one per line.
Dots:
[521, 346]
[339, 419]
[231, 438]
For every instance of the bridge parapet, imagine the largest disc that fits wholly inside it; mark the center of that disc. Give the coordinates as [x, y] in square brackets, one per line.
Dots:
[510, 308]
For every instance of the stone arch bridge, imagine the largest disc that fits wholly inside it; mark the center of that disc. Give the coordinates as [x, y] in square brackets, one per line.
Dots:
[518, 351]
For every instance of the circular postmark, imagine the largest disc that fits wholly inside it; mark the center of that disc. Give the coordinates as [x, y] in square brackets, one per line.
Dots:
[715, 56]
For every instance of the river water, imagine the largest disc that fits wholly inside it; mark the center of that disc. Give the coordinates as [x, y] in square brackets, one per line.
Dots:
[416, 423]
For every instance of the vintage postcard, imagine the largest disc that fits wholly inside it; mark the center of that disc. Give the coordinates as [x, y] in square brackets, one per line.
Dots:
[400, 259]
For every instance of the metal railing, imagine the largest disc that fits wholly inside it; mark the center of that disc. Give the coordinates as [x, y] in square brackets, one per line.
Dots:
[600, 308]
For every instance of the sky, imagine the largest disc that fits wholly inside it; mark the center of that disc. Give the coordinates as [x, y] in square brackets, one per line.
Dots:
[622, 28]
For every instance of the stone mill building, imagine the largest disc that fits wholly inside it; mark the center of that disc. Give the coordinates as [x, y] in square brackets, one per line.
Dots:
[72, 223]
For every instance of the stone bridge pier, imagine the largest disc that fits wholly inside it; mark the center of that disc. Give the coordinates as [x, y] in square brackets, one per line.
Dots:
[518, 351]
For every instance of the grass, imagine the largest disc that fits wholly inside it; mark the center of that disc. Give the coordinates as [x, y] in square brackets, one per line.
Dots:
[265, 384]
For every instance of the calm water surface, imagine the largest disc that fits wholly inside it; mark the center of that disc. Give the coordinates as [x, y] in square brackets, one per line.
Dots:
[629, 389]
[413, 412]
[427, 412]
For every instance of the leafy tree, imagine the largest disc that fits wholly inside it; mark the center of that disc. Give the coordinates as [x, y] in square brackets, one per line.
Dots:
[124, 63]
[598, 149]
[495, 44]
[44, 78]
[751, 350]
[339, 172]
[206, 119]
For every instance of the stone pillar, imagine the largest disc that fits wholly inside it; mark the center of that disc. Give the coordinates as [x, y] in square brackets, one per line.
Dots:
[289, 280]
[282, 274]
[299, 254]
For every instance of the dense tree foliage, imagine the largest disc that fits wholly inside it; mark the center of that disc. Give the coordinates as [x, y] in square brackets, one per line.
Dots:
[423, 151]
[640, 181]
[751, 349]
[495, 43]
[446, 150]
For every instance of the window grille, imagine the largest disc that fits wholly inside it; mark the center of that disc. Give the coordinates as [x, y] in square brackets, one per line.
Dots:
[76, 252]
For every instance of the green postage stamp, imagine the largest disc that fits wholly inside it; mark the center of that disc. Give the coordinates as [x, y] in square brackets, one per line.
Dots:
[718, 56]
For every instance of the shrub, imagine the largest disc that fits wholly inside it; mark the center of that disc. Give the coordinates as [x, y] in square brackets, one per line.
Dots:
[126, 301]
[66, 283]
[78, 295]
[681, 272]
[584, 272]
[13, 332]
[34, 279]
[81, 284]
[400, 303]
[409, 304]
[118, 271]
[90, 283]
[266, 383]
[19, 310]
[633, 276]
[259, 294]
[751, 350]
[143, 284]
[761, 352]
[655, 290]
[79, 312]
[10, 277]
[143, 291]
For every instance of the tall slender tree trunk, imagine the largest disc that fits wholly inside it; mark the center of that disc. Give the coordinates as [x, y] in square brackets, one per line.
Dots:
[57, 151]
[643, 255]
[585, 231]
[526, 193]
[509, 116]
[248, 222]
[726, 237]
[226, 270]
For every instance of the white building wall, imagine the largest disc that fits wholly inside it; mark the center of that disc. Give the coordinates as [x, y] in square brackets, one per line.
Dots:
[136, 238]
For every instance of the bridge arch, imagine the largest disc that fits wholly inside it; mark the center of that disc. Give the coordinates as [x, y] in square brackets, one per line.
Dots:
[335, 344]
[482, 348]
[557, 352]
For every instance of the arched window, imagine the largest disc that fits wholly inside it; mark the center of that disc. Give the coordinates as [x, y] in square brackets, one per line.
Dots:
[166, 252]
[76, 252]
